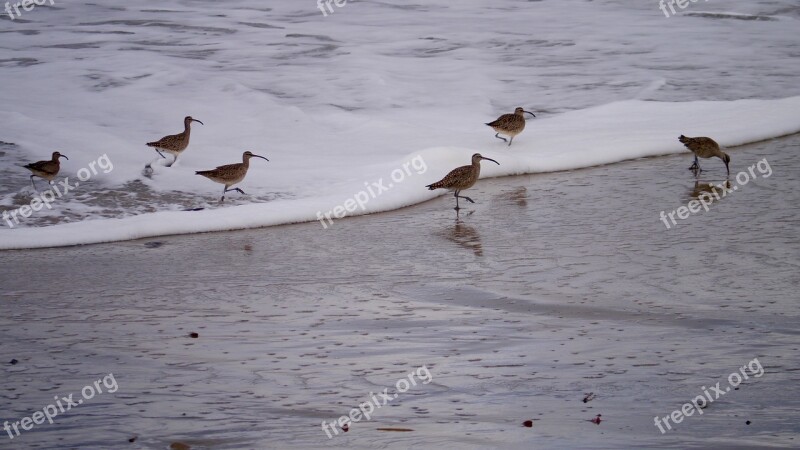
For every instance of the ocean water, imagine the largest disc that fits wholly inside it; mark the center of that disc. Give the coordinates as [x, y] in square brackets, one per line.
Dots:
[550, 287]
[560, 281]
[341, 101]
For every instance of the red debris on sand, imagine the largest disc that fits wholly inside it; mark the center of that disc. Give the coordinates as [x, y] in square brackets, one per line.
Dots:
[597, 420]
[346, 428]
[528, 423]
[589, 397]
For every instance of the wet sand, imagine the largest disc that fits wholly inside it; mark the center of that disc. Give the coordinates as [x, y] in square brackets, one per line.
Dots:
[551, 286]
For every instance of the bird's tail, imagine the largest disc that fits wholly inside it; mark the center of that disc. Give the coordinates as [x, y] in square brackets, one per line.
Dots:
[434, 186]
[152, 144]
[202, 172]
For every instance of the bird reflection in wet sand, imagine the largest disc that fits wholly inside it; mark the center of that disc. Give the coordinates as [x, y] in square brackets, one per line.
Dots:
[518, 196]
[465, 236]
[710, 192]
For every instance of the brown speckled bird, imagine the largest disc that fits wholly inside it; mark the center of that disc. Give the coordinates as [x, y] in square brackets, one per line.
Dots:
[704, 147]
[175, 144]
[461, 178]
[46, 169]
[510, 124]
[230, 174]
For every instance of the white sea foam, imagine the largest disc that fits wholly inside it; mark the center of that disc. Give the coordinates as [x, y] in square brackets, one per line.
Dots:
[601, 135]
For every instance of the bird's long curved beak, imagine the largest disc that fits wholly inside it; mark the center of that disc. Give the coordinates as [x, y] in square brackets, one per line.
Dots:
[257, 156]
[65, 157]
[195, 120]
[534, 115]
[728, 168]
[490, 159]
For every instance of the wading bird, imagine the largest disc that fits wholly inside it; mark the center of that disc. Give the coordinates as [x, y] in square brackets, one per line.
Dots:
[230, 174]
[46, 169]
[510, 124]
[175, 144]
[461, 178]
[704, 147]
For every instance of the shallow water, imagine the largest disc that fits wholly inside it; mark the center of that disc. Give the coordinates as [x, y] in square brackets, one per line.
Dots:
[549, 287]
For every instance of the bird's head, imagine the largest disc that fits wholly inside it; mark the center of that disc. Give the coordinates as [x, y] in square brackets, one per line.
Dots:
[520, 111]
[477, 157]
[189, 119]
[57, 155]
[727, 160]
[248, 154]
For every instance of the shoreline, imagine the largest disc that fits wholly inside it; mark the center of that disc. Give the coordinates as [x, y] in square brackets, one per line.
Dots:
[550, 287]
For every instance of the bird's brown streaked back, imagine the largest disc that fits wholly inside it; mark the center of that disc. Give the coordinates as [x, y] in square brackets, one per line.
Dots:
[175, 144]
[510, 124]
[704, 147]
[47, 169]
[230, 174]
[461, 178]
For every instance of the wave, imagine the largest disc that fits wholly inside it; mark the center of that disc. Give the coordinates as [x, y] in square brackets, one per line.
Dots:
[578, 139]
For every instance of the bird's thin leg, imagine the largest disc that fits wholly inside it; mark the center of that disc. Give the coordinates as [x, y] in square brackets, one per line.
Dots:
[467, 199]
[159, 152]
[224, 190]
[34, 184]
[500, 137]
[512, 140]
[173, 161]
[237, 190]
[461, 196]
[696, 165]
[456, 195]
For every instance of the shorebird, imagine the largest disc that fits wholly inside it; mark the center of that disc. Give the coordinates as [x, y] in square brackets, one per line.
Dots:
[510, 124]
[45, 169]
[230, 174]
[175, 144]
[461, 178]
[704, 147]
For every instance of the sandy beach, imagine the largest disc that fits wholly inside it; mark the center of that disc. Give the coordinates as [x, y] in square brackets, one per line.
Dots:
[550, 287]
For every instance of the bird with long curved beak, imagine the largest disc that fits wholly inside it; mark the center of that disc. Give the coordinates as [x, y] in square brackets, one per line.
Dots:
[704, 147]
[461, 178]
[46, 169]
[510, 124]
[230, 174]
[175, 144]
